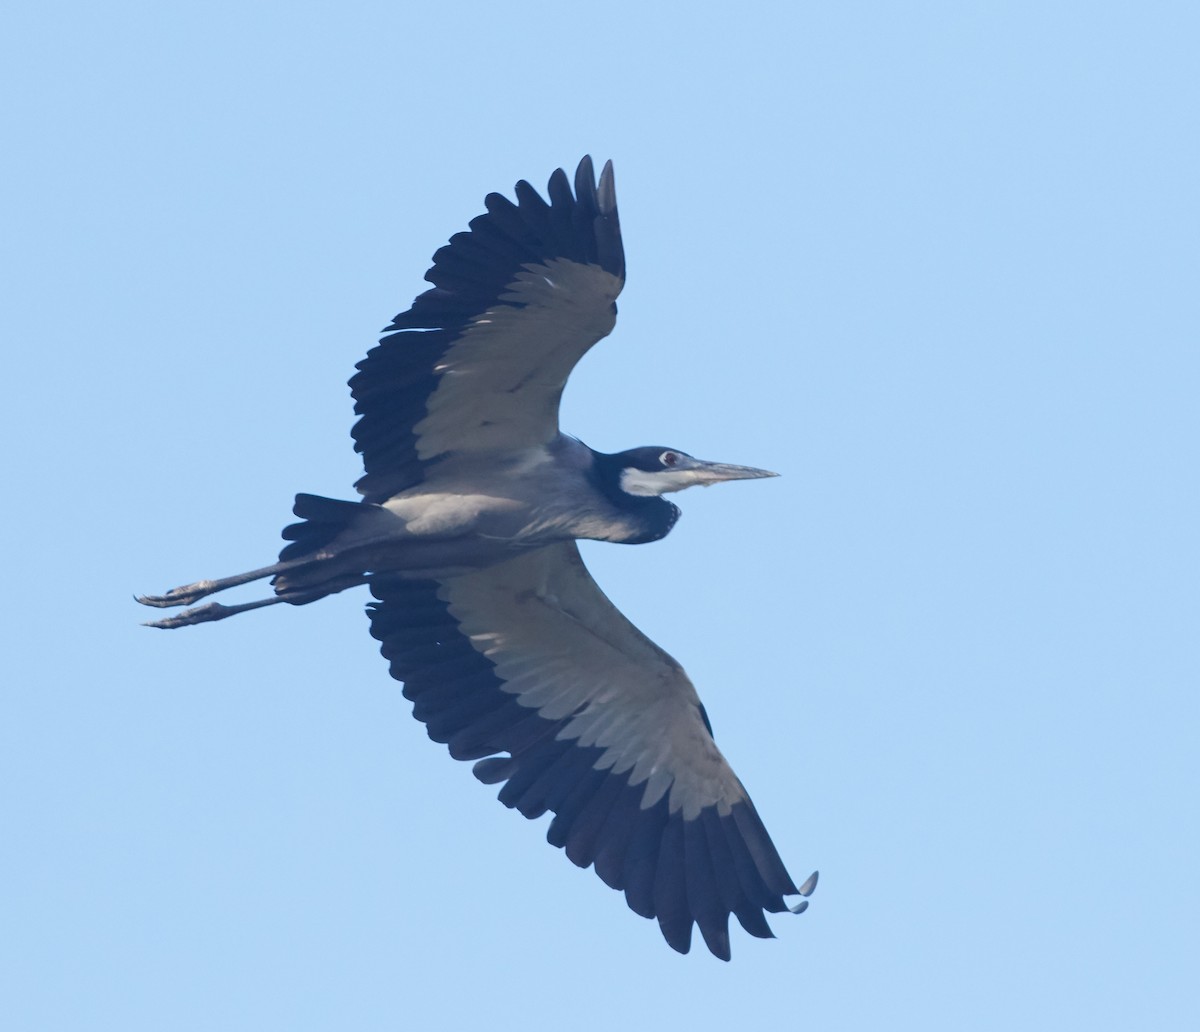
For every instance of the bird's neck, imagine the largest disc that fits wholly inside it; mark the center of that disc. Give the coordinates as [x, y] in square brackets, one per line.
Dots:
[649, 517]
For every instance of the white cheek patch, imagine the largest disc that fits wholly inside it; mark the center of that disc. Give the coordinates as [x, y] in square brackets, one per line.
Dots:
[639, 482]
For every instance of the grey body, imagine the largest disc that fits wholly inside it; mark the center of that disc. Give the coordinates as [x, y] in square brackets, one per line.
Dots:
[472, 501]
[541, 496]
[476, 511]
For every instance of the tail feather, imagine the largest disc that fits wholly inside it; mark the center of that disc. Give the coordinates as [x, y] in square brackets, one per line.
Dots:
[322, 519]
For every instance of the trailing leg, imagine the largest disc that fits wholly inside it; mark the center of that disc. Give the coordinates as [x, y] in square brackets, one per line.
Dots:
[212, 611]
[323, 519]
[189, 593]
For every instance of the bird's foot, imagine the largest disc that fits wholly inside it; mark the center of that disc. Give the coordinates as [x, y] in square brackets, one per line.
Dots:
[183, 596]
[202, 614]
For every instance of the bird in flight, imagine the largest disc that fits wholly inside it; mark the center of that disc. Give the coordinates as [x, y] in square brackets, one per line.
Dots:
[465, 534]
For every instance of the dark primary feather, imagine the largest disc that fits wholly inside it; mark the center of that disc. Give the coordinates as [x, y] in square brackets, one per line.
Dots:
[682, 870]
[470, 275]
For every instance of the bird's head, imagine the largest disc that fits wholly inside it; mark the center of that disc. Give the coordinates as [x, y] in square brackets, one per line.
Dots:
[654, 471]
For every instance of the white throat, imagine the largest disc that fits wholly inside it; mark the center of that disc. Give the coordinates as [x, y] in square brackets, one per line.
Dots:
[645, 485]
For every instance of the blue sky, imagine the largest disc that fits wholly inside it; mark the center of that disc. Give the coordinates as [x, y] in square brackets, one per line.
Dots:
[935, 263]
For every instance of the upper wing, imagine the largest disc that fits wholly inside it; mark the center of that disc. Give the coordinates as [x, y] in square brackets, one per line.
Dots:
[479, 362]
[601, 726]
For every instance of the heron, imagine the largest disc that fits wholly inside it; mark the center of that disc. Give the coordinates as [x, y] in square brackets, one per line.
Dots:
[472, 504]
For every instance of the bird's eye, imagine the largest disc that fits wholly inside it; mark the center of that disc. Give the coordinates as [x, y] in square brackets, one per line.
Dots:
[668, 458]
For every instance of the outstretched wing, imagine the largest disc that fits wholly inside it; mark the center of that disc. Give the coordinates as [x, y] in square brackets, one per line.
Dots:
[600, 727]
[479, 362]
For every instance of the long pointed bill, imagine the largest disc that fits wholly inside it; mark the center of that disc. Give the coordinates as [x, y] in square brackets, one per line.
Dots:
[706, 474]
[685, 472]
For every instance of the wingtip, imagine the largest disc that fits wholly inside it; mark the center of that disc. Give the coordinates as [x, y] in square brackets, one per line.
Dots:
[805, 890]
[558, 188]
[717, 941]
[606, 192]
[585, 180]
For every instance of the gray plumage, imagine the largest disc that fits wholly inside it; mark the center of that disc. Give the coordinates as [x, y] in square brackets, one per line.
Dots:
[473, 500]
